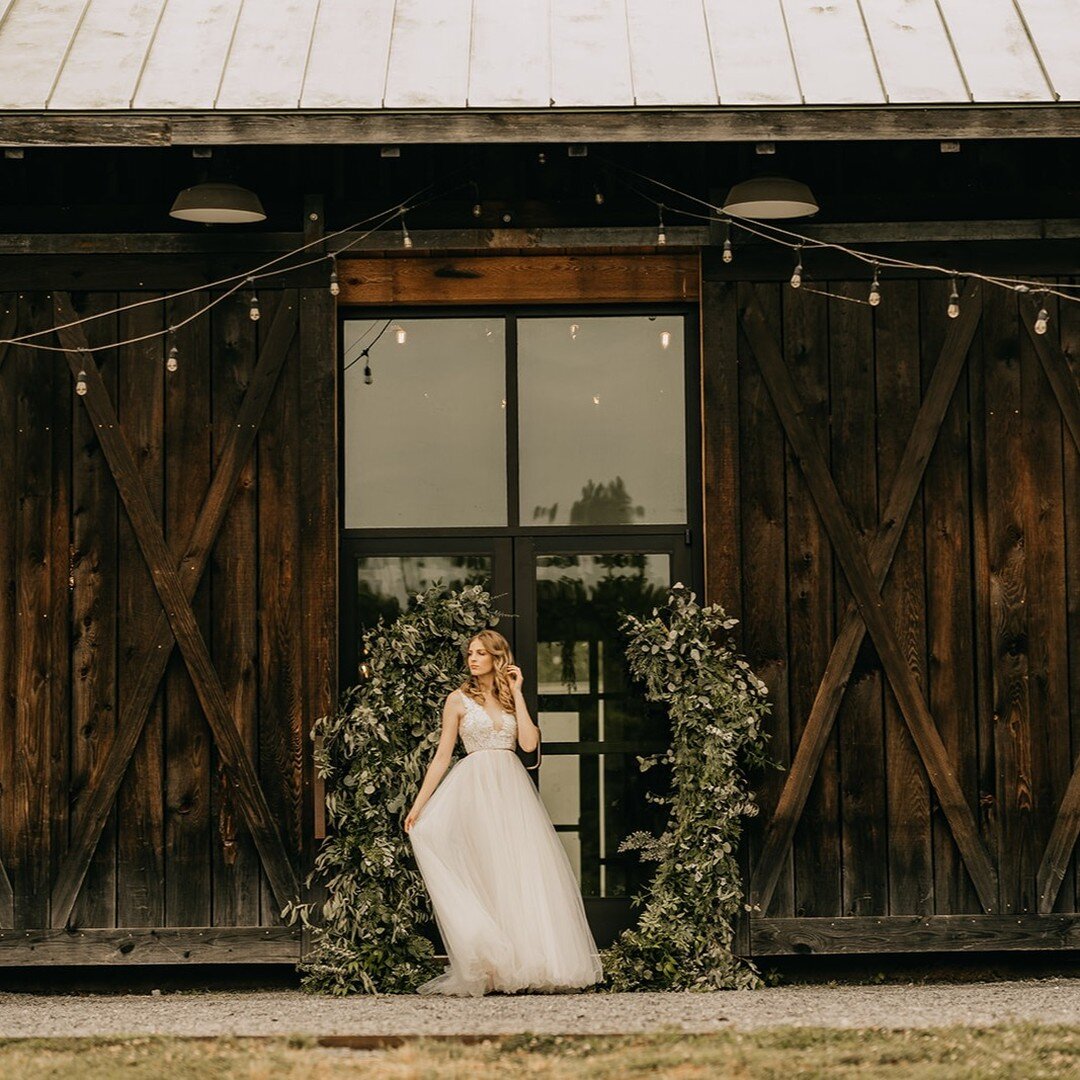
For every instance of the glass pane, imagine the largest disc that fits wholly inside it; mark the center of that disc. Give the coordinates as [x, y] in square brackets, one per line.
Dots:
[385, 583]
[585, 695]
[425, 442]
[602, 421]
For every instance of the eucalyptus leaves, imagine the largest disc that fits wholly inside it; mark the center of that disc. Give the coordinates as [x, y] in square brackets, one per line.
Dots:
[374, 751]
[682, 941]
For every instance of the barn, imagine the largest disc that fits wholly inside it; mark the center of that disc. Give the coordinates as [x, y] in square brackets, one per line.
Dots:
[305, 305]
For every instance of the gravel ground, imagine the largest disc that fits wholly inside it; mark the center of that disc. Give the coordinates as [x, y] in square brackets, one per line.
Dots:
[1051, 1001]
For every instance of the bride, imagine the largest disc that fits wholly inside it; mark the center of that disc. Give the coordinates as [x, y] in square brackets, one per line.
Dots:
[506, 901]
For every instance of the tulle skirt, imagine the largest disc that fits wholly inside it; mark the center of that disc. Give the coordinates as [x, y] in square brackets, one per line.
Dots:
[506, 901]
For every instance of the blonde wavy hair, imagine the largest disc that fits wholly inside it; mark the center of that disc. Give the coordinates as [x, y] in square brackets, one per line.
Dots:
[499, 649]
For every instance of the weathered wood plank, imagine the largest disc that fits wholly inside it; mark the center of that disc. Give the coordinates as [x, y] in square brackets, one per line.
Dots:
[1042, 506]
[94, 628]
[865, 590]
[764, 585]
[158, 646]
[816, 838]
[531, 279]
[859, 719]
[234, 587]
[898, 387]
[915, 933]
[152, 945]
[1008, 603]
[30, 849]
[187, 734]
[141, 840]
[281, 692]
[950, 632]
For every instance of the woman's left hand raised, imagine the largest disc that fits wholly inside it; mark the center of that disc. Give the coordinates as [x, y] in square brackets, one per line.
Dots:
[513, 674]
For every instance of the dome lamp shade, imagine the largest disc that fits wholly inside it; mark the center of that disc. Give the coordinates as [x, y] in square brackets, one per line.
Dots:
[216, 203]
[770, 197]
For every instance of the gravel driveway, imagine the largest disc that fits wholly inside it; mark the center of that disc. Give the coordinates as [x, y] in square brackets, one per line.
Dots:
[284, 1012]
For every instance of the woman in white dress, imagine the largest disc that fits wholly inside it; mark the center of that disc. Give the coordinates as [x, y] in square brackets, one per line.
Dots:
[506, 901]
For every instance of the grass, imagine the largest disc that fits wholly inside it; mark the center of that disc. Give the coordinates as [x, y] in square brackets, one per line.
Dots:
[1014, 1050]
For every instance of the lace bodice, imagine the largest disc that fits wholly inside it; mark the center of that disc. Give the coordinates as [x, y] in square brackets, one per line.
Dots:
[478, 731]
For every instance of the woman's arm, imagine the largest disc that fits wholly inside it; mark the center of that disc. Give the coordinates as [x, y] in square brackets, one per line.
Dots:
[528, 732]
[451, 717]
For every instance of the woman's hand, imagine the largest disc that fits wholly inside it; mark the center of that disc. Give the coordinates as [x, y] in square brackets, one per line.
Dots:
[514, 677]
[410, 818]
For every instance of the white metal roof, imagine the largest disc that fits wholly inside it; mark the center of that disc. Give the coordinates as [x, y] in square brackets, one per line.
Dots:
[458, 55]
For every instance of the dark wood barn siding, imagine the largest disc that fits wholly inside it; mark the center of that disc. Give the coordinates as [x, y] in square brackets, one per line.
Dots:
[78, 608]
[980, 600]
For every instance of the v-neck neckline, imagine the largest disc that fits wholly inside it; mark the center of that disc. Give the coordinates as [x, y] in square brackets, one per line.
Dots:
[484, 710]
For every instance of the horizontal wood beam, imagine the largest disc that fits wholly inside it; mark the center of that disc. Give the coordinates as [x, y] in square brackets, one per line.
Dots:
[601, 125]
[152, 945]
[524, 279]
[913, 933]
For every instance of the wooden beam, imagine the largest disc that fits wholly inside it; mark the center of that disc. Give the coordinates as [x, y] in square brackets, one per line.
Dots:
[909, 474]
[1066, 829]
[797, 123]
[913, 933]
[152, 945]
[524, 279]
[867, 596]
[98, 800]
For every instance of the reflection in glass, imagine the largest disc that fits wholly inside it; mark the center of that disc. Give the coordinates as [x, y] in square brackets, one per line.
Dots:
[601, 420]
[425, 443]
[596, 794]
[385, 583]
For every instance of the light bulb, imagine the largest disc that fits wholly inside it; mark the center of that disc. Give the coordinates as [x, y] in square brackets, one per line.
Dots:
[399, 333]
[1041, 321]
[477, 210]
[367, 374]
[665, 338]
[574, 328]
[173, 362]
[728, 253]
[875, 292]
[661, 236]
[796, 277]
[406, 239]
[80, 384]
[596, 399]
[254, 310]
[954, 302]
[598, 196]
[335, 288]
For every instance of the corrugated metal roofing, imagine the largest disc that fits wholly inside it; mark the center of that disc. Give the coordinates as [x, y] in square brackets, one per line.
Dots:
[457, 55]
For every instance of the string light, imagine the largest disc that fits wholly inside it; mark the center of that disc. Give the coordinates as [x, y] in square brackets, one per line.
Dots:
[335, 288]
[875, 290]
[574, 328]
[80, 384]
[661, 236]
[173, 362]
[729, 253]
[954, 301]
[253, 311]
[796, 277]
[367, 373]
[665, 338]
[1042, 321]
[406, 239]
[400, 335]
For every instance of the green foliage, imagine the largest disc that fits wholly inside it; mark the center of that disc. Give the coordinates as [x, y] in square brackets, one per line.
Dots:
[373, 753]
[682, 941]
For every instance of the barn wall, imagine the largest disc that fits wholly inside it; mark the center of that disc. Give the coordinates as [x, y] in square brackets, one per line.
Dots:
[77, 605]
[983, 596]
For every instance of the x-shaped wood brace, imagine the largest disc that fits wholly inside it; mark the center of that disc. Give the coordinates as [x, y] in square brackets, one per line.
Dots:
[176, 582]
[866, 572]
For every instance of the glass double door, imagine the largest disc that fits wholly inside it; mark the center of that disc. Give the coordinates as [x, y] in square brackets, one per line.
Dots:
[565, 601]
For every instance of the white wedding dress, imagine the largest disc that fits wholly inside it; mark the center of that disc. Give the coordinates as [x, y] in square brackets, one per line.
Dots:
[506, 901]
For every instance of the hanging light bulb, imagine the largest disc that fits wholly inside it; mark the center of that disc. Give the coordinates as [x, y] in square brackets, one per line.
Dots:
[335, 288]
[400, 335]
[406, 239]
[173, 361]
[796, 277]
[477, 209]
[1042, 321]
[596, 399]
[253, 311]
[661, 236]
[875, 290]
[574, 328]
[80, 384]
[665, 338]
[367, 373]
[729, 254]
[954, 301]
[598, 196]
